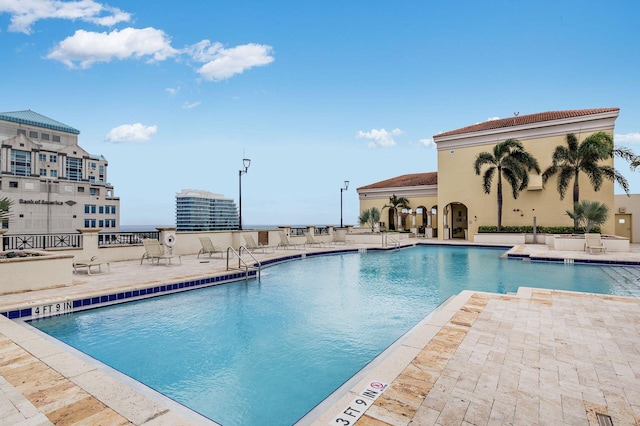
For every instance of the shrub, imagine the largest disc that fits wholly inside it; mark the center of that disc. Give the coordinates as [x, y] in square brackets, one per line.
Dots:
[529, 229]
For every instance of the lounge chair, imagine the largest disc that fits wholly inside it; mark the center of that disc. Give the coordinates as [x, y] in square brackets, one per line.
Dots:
[252, 246]
[154, 252]
[209, 248]
[593, 243]
[88, 263]
[285, 243]
[336, 239]
[311, 241]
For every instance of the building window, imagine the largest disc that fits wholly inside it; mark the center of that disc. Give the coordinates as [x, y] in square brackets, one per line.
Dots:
[44, 136]
[13, 184]
[53, 173]
[33, 134]
[74, 168]
[53, 158]
[101, 224]
[94, 191]
[42, 157]
[113, 223]
[101, 210]
[43, 172]
[81, 189]
[22, 132]
[86, 223]
[93, 166]
[55, 138]
[92, 179]
[106, 224]
[87, 208]
[20, 163]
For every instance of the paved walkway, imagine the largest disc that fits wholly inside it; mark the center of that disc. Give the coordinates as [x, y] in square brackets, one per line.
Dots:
[538, 357]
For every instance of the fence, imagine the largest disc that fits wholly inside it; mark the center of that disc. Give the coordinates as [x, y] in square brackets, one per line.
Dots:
[53, 241]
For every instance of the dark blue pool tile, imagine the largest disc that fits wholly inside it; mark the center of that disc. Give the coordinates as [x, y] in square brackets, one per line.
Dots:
[136, 293]
[95, 300]
[77, 303]
[104, 299]
[127, 294]
[112, 297]
[25, 312]
[14, 314]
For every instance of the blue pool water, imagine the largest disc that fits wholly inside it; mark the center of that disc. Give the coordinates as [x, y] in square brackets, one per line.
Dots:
[267, 352]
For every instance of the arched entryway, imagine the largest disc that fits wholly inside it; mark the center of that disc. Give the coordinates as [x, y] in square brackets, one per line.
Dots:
[455, 221]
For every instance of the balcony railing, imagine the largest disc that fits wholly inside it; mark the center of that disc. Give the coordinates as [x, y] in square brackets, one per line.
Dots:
[41, 241]
[125, 238]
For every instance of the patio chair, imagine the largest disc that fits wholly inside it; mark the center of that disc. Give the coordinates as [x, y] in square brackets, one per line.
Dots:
[337, 239]
[252, 246]
[154, 252]
[593, 243]
[88, 263]
[311, 241]
[285, 243]
[209, 248]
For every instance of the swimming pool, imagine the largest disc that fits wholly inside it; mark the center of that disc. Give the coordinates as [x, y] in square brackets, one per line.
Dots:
[267, 352]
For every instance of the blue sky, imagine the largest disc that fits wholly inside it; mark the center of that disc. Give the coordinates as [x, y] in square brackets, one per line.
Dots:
[174, 94]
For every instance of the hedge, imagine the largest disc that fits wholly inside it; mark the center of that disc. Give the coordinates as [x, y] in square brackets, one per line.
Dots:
[529, 230]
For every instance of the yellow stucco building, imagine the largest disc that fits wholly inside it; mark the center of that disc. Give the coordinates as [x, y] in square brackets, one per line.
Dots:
[451, 203]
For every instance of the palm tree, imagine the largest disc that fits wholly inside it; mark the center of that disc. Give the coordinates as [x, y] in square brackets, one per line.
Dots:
[512, 162]
[370, 217]
[589, 213]
[5, 209]
[396, 204]
[570, 160]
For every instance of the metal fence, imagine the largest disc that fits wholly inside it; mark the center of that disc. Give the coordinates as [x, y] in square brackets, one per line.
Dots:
[49, 241]
[41, 241]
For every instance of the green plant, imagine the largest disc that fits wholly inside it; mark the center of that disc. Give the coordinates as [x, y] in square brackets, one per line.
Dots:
[511, 162]
[370, 217]
[569, 161]
[529, 229]
[396, 203]
[5, 209]
[589, 214]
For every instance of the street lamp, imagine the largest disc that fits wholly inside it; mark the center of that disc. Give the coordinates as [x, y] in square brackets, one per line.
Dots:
[346, 186]
[246, 163]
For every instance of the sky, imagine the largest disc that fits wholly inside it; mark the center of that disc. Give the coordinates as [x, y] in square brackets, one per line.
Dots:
[176, 94]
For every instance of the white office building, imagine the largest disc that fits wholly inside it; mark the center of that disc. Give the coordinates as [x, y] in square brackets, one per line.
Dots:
[54, 184]
[204, 211]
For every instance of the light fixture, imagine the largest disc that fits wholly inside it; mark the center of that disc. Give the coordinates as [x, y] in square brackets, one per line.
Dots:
[246, 162]
[346, 186]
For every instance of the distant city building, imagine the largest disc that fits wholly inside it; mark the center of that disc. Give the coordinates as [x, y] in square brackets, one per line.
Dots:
[55, 185]
[203, 211]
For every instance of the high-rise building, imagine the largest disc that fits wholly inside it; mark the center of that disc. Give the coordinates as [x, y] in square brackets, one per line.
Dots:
[55, 185]
[204, 211]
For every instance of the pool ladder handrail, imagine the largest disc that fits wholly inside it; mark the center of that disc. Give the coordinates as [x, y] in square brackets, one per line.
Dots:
[386, 237]
[241, 261]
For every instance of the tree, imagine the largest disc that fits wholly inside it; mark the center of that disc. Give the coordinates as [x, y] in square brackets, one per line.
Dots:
[370, 217]
[5, 209]
[397, 204]
[510, 161]
[589, 214]
[570, 160]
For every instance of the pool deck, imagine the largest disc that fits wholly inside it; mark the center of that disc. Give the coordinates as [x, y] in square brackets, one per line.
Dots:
[535, 357]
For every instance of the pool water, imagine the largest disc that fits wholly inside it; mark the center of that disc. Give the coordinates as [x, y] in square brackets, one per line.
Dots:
[267, 352]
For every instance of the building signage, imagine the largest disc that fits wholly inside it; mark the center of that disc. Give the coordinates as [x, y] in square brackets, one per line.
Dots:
[56, 203]
[360, 404]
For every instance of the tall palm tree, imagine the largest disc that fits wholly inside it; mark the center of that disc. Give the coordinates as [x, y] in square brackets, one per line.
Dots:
[396, 204]
[510, 161]
[5, 209]
[576, 157]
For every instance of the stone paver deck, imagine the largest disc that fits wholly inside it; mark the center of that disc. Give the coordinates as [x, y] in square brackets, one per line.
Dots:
[537, 357]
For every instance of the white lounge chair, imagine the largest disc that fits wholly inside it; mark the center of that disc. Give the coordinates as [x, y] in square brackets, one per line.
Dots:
[209, 248]
[88, 263]
[154, 252]
[285, 243]
[252, 246]
[593, 243]
[311, 241]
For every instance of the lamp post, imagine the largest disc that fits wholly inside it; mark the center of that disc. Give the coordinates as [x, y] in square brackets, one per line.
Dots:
[245, 163]
[346, 186]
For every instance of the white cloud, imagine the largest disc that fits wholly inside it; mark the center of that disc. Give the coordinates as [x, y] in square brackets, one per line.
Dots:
[87, 48]
[493, 118]
[137, 132]
[427, 143]
[627, 138]
[172, 90]
[222, 63]
[24, 13]
[380, 137]
[190, 105]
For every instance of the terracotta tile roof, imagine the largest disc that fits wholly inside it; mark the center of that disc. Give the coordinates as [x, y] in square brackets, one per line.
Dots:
[414, 179]
[526, 119]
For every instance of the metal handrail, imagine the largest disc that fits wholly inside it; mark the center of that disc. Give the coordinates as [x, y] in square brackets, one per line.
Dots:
[241, 261]
[386, 237]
